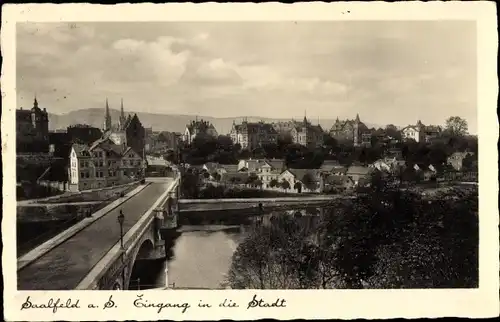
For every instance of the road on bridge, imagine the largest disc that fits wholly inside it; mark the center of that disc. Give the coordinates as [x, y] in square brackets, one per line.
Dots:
[63, 267]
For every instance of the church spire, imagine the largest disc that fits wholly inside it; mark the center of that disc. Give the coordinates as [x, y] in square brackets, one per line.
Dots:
[122, 120]
[107, 118]
[357, 118]
[35, 102]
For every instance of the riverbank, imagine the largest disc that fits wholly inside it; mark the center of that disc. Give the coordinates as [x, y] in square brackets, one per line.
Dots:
[257, 205]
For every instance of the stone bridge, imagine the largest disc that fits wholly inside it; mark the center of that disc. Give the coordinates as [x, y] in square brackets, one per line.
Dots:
[142, 243]
[89, 255]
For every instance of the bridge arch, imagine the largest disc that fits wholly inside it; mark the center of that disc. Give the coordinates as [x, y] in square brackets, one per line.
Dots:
[143, 268]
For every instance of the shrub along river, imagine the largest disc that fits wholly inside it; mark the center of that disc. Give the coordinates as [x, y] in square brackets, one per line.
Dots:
[202, 254]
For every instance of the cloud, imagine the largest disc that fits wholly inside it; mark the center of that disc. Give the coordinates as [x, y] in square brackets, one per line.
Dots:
[152, 58]
[376, 69]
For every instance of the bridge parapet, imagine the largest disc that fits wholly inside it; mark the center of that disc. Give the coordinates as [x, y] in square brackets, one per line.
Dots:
[115, 269]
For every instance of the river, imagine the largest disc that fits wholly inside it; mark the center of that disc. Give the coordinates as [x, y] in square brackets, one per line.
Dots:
[202, 254]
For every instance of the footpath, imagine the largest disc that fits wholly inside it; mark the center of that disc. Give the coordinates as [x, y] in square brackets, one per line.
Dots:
[50, 244]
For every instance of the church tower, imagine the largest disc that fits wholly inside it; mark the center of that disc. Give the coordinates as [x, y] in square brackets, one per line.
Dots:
[107, 118]
[123, 119]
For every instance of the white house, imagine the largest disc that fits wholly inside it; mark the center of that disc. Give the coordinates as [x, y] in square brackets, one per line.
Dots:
[268, 173]
[103, 164]
[421, 132]
[195, 128]
[296, 179]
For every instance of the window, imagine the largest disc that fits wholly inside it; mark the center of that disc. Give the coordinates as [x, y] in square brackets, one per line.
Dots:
[82, 174]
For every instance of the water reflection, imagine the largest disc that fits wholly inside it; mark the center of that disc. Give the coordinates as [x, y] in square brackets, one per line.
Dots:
[202, 254]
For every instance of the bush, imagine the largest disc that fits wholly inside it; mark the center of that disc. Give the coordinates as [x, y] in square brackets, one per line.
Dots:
[386, 239]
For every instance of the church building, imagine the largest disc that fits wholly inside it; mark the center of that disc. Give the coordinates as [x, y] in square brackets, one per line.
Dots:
[128, 132]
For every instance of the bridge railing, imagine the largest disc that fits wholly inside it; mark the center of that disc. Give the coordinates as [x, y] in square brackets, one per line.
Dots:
[114, 260]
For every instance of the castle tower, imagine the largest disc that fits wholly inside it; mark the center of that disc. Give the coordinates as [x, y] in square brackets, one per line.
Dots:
[107, 118]
[40, 125]
[357, 135]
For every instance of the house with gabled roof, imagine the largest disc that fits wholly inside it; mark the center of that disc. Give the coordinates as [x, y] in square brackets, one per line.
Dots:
[456, 160]
[103, 163]
[420, 132]
[359, 173]
[336, 183]
[196, 128]
[302, 180]
[332, 167]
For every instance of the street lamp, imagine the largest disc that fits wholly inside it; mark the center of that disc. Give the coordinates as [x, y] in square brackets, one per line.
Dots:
[121, 219]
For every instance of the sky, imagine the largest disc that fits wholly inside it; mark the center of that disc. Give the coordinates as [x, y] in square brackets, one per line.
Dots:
[389, 72]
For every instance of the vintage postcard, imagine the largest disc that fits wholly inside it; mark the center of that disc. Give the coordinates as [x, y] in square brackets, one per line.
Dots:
[249, 161]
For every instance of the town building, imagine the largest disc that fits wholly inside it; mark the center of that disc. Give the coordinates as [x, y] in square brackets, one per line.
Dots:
[303, 133]
[337, 183]
[250, 135]
[353, 131]
[255, 165]
[195, 128]
[128, 132]
[360, 175]
[162, 141]
[103, 164]
[302, 180]
[456, 160]
[60, 141]
[266, 170]
[83, 133]
[284, 127]
[421, 132]
[330, 167]
[32, 130]
[306, 134]
[389, 165]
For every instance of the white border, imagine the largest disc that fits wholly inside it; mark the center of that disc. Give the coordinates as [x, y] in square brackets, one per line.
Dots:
[317, 304]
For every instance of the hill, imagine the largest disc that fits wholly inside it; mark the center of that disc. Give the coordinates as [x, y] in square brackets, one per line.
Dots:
[161, 122]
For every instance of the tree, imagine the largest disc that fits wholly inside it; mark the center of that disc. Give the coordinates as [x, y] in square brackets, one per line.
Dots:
[245, 154]
[190, 184]
[284, 140]
[274, 257]
[258, 183]
[385, 239]
[271, 150]
[392, 131]
[298, 186]
[274, 183]
[225, 143]
[469, 163]
[456, 126]
[309, 181]
[252, 178]
[285, 184]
